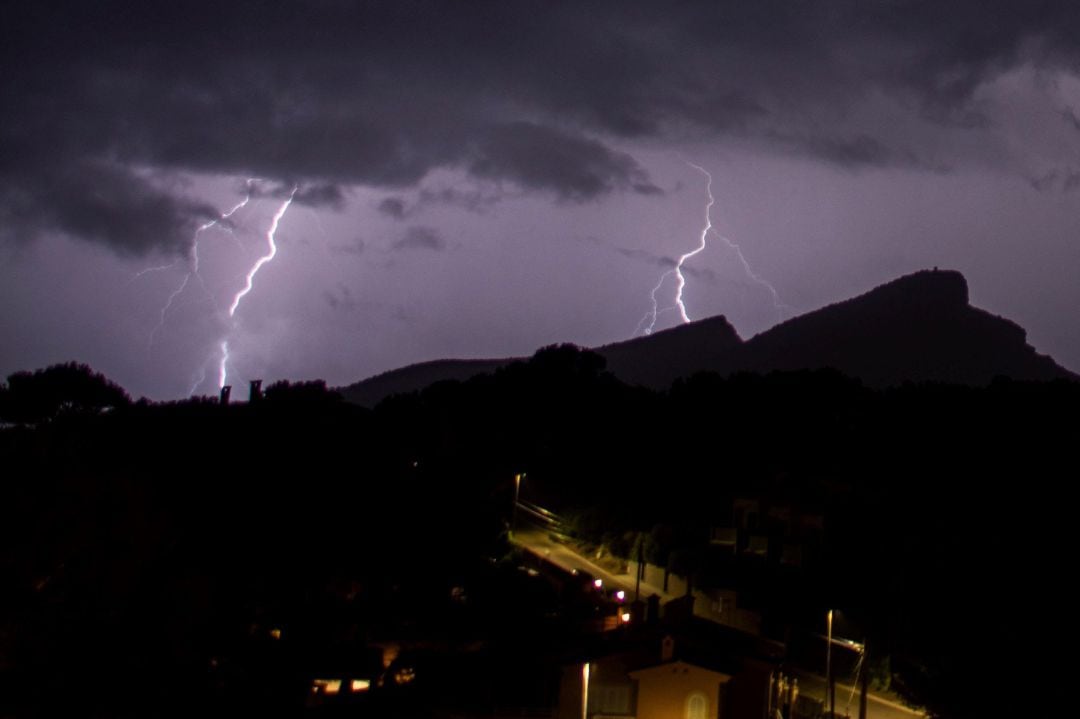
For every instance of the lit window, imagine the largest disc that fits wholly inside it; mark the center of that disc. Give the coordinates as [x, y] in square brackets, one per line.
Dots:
[360, 685]
[696, 706]
[325, 686]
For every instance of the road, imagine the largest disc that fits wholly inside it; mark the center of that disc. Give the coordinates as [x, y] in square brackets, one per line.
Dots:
[538, 542]
[878, 706]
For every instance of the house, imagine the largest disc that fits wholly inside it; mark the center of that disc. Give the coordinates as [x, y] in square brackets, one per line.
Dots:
[680, 690]
[681, 667]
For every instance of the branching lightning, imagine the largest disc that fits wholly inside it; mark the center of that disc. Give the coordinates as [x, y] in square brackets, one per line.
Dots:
[680, 280]
[648, 322]
[148, 270]
[168, 304]
[193, 261]
[191, 269]
[198, 380]
[249, 280]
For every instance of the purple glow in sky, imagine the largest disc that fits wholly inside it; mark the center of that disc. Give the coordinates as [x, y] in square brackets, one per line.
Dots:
[482, 179]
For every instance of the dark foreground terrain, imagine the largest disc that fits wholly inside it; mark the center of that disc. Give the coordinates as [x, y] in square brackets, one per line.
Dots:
[180, 558]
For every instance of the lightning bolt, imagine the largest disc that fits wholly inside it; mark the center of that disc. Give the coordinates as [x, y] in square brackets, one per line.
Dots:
[655, 311]
[648, 322]
[249, 280]
[158, 268]
[193, 261]
[680, 280]
[167, 306]
[222, 373]
[198, 380]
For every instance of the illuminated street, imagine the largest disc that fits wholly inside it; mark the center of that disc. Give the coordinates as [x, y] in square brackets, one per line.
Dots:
[847, 700]
[539, 543]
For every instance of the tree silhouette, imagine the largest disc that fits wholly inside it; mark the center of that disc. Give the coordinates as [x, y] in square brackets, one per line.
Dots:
[45, 393]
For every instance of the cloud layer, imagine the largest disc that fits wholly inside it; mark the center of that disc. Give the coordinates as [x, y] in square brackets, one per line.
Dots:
[536, 95]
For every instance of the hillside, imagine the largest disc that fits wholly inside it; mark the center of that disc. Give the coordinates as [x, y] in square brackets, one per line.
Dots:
[918, 328]
[368, 392]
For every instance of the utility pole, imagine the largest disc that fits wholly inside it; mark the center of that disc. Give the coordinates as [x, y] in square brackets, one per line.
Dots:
[517, 490]
[830, 688]
[864, 682]
[640, 569]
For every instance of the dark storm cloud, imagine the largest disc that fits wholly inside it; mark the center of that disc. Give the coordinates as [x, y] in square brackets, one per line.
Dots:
[477, 200]
[320, 195]
[340, 298]
[473, 200]
[861, 150]
[393, 207]
[534, 94]
[421, 238]
[1044, 182]
[543, 158]
[1063, 180]
[101, 203]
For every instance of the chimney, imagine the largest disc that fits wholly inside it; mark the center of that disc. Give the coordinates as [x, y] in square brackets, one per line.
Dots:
[256, 391]
[667, 648]
[225, 392]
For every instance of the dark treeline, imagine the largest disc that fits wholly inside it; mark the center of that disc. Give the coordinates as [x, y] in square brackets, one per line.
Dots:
[144, 546]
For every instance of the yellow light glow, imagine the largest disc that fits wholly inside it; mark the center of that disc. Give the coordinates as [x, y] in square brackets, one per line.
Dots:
[275, 633]
[585, 691]
[626, 616]
[360, 685]
[325, 686]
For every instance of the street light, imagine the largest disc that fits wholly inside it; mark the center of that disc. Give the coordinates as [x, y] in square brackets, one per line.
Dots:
[830, 682]
[830, 693]
[517, 491]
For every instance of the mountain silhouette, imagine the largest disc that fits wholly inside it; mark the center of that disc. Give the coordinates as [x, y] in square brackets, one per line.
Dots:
[410, 378]
[918, 328]
[658, 359]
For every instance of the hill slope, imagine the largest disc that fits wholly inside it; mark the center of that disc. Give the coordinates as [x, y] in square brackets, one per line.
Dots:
[917, 328]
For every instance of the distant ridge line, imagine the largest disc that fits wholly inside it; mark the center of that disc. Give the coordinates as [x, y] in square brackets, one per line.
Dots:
[916, 328]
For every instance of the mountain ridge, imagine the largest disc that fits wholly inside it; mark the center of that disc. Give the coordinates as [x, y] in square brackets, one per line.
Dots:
[916, 328]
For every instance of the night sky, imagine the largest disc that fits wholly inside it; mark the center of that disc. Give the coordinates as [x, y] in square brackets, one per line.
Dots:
[478, 179]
